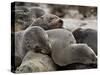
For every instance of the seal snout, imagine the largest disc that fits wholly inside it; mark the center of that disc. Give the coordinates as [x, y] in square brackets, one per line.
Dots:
[60, 23]
[56, 23]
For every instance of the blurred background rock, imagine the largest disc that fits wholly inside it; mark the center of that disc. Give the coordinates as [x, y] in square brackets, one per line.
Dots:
[72, 15]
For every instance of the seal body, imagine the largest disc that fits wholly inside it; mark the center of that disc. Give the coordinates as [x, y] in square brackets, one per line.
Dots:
[36, 12]
[88, 36]
[33, 38]
[48, 21]
[65, 51]
[24, 16]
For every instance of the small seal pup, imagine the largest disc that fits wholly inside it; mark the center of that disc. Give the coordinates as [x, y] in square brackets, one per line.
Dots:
[36, 62]
[88, 36]
[33, 38]
[65, 51]
[48, 21]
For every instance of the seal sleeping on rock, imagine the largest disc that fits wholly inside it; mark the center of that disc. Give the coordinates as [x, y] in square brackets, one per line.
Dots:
[48, 21]
[36, 62]
[33, 38]
[65, 51]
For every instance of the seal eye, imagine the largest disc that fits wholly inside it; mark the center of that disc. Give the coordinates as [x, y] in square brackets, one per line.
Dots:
[50, 19]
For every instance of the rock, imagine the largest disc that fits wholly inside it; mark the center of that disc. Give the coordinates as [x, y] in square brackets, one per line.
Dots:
[36, 62]
[77, 66]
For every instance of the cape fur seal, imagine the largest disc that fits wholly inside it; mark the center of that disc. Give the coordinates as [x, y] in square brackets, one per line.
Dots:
[88, 36]
[36, 12]
[24, 16]
[33, 38]
[65, 51]
[48, 21]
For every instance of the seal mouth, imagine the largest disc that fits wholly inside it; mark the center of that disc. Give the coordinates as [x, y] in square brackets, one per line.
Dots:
[45, 51]
[42, 50]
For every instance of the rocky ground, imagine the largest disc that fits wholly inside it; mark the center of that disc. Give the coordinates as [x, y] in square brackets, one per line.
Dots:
[72, 24]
